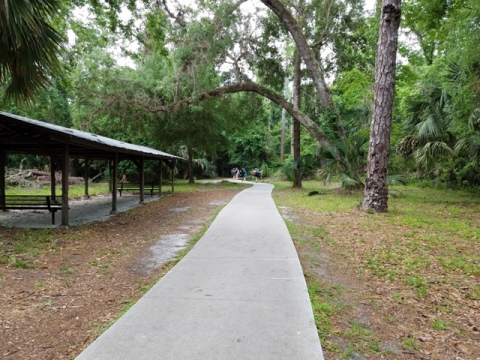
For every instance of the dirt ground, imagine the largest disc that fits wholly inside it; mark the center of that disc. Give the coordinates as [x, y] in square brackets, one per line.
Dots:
[91, 273]
[375, 317]
[71, 292]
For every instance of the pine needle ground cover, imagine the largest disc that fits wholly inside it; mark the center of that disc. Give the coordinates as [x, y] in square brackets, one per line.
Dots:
[399, 285]
[61, 288]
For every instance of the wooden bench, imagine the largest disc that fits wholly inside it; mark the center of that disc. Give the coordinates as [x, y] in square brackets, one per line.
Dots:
[130, 187]
[31, 202]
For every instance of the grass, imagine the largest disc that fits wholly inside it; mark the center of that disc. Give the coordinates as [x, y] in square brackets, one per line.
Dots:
[78, 190]
[24, 246]
[427, 244]
[74, 191]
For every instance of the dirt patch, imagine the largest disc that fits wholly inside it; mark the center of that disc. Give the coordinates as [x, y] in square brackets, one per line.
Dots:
[376, 314]
[62, 297]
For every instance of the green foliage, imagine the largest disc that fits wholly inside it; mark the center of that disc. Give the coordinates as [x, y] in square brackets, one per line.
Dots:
[183, 52]
[348, 166]
[430, 140]
[342, 26]
[254, 145]
[29, 46]
[25, 246]
[270, 66]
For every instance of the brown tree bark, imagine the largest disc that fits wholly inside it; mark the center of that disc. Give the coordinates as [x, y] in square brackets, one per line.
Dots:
[304, 48]
[297, 180]
[247, 86]
[376, 189]
[309, 59]
[284, 121]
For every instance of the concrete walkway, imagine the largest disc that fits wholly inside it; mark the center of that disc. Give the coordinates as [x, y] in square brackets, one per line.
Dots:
[238, 294]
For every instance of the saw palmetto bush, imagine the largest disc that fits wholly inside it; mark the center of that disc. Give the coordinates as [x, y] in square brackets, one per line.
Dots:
[429, 139]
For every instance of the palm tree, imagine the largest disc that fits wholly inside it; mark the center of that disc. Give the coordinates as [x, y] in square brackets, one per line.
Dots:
[28, 46]
[471, 142]
[428, 125]
[346, 159]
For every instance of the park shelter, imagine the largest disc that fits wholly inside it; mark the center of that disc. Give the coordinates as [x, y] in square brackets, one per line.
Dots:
[20, 135]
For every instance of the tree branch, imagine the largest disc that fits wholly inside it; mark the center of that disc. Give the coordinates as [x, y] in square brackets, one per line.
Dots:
[308, 57]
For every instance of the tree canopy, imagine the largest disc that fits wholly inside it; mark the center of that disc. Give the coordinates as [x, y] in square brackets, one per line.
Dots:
[213, 77]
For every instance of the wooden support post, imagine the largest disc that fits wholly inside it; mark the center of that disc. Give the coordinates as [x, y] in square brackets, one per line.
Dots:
[65, 172]
[2, 177]
[173, 174]
[53, 180]
[113, 177]
[141, 170]
[110, 170]
[85, 176]
[160, 184]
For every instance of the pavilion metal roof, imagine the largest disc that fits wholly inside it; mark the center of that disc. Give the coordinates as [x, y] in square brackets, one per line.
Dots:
[22, 135]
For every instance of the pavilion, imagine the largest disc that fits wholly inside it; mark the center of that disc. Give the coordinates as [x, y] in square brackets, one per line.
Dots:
[21, 135]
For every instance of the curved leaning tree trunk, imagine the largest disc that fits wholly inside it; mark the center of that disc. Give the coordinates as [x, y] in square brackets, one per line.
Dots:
[309, 59]
[248, 86]
[376, 190]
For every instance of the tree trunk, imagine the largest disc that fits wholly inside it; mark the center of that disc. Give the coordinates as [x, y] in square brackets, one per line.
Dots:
[248, 86]
[376, 189]
[309, 59]
[284, 121]
[297, 179]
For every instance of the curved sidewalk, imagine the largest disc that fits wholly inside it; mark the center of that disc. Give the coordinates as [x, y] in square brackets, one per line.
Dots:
[238, 294]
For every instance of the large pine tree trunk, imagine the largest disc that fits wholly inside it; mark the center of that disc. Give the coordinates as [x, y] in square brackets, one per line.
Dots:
[376, 190]
[297, 181]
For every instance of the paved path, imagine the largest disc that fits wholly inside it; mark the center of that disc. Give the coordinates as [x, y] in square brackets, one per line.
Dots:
[238, 294]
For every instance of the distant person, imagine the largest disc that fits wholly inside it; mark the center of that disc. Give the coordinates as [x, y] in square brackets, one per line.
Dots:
[244, 174]
[257, 174]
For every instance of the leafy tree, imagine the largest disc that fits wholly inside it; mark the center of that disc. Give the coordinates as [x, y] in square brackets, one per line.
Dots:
[424, 20]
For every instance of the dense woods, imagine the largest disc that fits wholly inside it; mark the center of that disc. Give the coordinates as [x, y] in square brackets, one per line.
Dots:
[288, 87]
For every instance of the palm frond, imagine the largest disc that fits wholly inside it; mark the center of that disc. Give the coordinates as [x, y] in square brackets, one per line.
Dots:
[396, 179]
[470, 144]
[427, 155]
[348, 182]
[454, 73]
[408, 145]
[474, 120]
[29, 46]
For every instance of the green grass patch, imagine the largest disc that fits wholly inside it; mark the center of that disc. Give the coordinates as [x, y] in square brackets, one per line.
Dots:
[23, 245]
[74, 191]
[438, 324]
